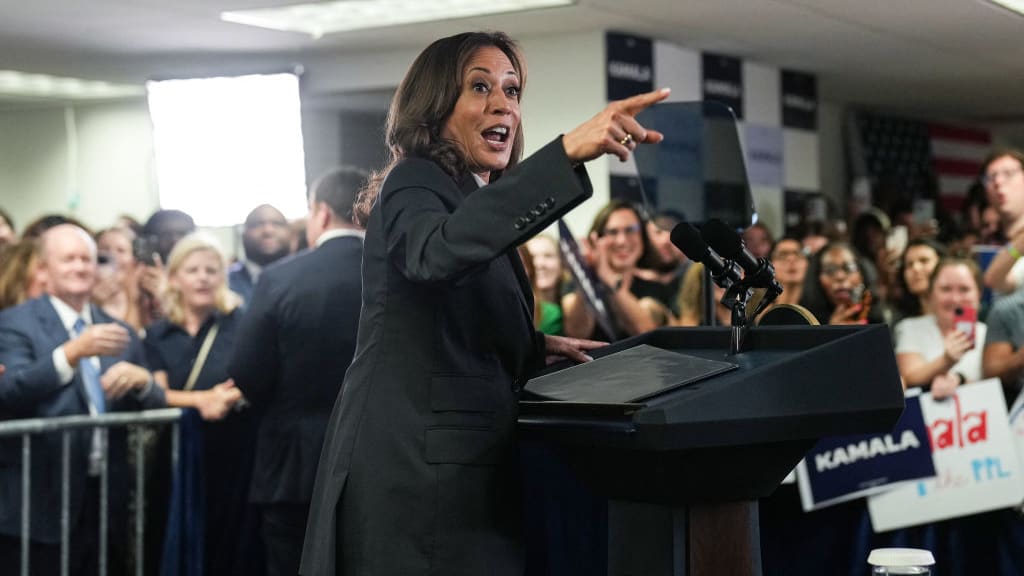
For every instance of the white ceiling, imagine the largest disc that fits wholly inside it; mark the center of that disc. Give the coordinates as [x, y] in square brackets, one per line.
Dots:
[953, 58]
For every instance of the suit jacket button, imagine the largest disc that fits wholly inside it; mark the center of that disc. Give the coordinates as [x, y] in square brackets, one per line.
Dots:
[520, 223]
[536, 212]
[549, 202]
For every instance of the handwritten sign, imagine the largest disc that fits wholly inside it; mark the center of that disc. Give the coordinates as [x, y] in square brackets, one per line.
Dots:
[976, 463]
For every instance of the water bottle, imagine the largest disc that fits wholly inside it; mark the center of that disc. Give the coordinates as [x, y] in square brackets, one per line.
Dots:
[900, 561]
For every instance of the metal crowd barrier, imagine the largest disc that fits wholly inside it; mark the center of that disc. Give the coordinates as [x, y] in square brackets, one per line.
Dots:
[29, 427]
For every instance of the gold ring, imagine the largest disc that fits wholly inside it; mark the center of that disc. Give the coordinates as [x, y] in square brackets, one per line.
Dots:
[626, 139]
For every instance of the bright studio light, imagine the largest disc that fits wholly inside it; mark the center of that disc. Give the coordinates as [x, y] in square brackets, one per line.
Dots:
[226, 145]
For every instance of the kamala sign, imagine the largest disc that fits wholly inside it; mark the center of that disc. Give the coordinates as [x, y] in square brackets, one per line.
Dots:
[841, 468]
[976, 462]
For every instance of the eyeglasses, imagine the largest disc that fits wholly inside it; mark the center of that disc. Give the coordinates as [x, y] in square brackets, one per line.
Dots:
[834, 269]
[632, 230]
[787, 254]
[993, 176]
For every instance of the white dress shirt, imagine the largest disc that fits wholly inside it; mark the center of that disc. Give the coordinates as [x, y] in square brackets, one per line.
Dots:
[68, 317]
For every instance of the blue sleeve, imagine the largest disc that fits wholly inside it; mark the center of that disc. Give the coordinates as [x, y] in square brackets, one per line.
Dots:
[30, 377]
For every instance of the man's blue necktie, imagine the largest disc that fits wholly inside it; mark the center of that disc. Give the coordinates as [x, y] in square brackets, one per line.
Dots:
[90, 375]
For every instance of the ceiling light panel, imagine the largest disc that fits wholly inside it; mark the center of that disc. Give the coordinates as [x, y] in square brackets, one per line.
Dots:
[43, 86]
[346, 15]
[1012, 5]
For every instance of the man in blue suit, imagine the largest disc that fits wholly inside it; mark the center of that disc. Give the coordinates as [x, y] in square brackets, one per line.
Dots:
[64, 357]
[296, 341]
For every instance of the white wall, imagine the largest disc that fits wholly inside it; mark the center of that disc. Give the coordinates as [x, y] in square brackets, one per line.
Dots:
[565, 87]
[115, 169]
[112, 172]
[33, 163]
[116, 166]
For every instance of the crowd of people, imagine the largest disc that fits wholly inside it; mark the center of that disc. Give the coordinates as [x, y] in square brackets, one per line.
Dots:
[155, 315]
[948, 290]
[165, 301]
[255, 351]
[920, 288]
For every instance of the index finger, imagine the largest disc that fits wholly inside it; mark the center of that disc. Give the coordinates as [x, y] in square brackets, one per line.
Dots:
[634, 104]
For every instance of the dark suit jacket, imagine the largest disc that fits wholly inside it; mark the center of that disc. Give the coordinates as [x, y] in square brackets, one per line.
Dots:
[418, 470]
[31, 389]
[295, 343]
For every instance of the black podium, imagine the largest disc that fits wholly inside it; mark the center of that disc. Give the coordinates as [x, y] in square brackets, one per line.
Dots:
[682, 471]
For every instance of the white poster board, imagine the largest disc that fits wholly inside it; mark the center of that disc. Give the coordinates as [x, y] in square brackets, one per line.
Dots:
[975, 460]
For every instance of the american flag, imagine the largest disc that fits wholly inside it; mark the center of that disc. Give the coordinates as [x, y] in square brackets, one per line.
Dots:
[920, 159]
[957, 154]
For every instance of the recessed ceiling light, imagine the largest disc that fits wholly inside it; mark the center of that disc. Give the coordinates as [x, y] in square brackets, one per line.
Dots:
[1012, 5]
[345, 15]
[44, 86]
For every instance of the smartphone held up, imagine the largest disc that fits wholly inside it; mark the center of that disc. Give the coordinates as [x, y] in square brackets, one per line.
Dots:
[965, 318]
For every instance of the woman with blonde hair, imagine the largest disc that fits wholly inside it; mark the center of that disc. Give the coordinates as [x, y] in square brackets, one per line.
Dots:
[548, 277]
[189, 351]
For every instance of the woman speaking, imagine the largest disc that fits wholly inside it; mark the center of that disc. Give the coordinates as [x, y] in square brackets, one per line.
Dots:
[418, 472]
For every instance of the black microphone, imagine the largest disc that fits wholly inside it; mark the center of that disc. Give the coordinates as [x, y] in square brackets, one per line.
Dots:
[687, 238]
[758, 271]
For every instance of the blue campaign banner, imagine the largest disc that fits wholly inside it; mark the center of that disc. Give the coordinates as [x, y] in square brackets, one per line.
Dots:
[841, 468]
[630, 65]
[723, 80]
